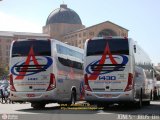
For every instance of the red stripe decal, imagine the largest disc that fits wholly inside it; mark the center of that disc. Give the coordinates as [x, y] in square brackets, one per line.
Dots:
[95, 74]
[30, 55]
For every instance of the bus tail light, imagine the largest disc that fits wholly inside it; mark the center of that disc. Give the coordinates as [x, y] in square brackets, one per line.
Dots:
[12, 88]
[52, 83]
[130, 82]
[86, 86]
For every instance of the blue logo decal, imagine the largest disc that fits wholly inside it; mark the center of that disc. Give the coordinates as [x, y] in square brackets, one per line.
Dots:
[107, 68]
[21, 67]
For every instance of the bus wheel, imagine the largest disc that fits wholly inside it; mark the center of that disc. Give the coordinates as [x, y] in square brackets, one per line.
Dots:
[139, 103]
[38, 105]
[73, 97]
[146, 103]
[151, 95]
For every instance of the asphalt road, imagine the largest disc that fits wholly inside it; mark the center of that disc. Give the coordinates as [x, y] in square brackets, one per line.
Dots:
[79, 112]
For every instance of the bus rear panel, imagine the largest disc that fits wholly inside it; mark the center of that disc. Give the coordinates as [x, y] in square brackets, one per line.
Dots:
[31, 72]
[45, 71]
[108, 75]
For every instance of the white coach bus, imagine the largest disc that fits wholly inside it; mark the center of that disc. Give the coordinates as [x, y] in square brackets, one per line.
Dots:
[117, 70]
[44, 71]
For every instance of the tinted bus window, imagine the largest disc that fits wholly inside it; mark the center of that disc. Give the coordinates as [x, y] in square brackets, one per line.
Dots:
[70, 63]
[116, 46]
[70, 52]
[22, 48]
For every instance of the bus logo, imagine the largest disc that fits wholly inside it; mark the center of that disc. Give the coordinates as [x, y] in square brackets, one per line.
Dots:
[99, 67]
[107, 77]
[23, 68]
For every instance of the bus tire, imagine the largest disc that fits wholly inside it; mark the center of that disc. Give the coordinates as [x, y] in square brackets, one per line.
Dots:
[151, 95]
[146, 103]
[73, 97]
[38, 105]
[139, 103]
[103, 104]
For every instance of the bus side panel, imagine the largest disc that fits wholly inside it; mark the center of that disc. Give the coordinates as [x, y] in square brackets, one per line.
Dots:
[67, 78]
[143, 62]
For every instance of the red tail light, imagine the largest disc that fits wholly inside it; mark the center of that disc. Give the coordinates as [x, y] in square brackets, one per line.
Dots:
[86, 86]
[52, 83]
[130, 82]
[12, 88]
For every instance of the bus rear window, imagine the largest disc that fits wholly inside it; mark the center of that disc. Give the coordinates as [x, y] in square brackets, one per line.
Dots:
[116, 46]
[40, 48]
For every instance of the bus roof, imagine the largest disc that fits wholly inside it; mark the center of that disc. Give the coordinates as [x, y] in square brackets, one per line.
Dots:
[109, 37]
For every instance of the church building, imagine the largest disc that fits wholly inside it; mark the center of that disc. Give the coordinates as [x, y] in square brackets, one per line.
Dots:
[65, 25]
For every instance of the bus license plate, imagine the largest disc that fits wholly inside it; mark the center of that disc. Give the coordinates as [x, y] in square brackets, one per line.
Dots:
[107, 95]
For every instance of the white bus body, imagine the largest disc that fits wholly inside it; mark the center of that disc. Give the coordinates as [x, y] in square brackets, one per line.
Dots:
[44, 71]
[110, 68]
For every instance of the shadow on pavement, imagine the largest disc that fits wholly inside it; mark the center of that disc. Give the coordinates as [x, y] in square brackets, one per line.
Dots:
[153, 109]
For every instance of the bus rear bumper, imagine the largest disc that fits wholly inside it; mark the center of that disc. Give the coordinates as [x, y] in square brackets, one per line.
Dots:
[112, 97]
[33, 96]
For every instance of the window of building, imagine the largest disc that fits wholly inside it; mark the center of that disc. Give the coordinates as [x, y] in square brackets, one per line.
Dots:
[107, 32]
[8, 41]
[7, 53]
[0, 58]
[7, 60]
[7, 47]
[91, 33]
[84, 34]
[79, 34]
[79, 41]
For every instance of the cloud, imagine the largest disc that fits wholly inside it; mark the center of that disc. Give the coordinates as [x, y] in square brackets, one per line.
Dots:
[14, 23]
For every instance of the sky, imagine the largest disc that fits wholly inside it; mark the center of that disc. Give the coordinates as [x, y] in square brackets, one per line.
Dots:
[140, 17]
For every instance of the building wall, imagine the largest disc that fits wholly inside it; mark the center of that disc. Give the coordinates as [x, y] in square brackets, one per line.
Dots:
[79, 37]
[5, 42]
[72, 34]
[58, 30]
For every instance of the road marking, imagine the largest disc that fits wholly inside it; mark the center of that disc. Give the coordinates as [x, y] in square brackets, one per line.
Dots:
[101, 112]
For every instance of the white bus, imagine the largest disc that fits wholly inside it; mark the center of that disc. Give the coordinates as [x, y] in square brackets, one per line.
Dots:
[112, 71]
[45, 71]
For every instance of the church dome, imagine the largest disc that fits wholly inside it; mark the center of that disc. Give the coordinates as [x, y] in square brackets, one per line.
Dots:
[63, 15]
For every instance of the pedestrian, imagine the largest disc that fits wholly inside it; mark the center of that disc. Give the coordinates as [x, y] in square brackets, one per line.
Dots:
[2, 94]
[3, 88]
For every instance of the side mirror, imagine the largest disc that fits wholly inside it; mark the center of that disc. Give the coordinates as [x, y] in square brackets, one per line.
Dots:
[134, 47]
